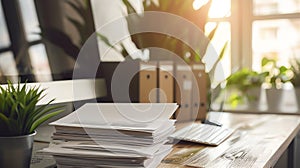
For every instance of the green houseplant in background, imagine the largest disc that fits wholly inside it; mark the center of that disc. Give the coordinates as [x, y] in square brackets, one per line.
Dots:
[278, 75]
[82, 22]
[183, 9]
[197, 17]
[19, 118]
[295, 68]
[245, 85]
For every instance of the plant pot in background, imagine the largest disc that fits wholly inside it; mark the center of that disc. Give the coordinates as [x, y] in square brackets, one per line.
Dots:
[15, 151]
[274, 99]
[297, 93]
[254, 98]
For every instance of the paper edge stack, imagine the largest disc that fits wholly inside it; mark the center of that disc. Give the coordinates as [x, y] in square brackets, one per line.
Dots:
[100, 135]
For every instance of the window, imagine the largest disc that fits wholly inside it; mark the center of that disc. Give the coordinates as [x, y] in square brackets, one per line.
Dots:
[219, 16]
[30, 19]
[4, 38]
[255, 29]
[275, 31]
[274, 7]
[40, 64]
[8, 66]
[19, 28]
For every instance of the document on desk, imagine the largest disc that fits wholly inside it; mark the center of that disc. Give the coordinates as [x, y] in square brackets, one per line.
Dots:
[113, 135]
[115, 161]
[127, 116]
[146, 151]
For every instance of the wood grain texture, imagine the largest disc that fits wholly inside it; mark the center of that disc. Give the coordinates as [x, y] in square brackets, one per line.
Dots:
[259, 141]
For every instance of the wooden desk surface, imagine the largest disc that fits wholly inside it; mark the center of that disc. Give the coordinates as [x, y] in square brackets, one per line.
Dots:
[259, 141]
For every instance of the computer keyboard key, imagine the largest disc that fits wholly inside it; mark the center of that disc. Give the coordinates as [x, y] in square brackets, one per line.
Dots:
[203, 134]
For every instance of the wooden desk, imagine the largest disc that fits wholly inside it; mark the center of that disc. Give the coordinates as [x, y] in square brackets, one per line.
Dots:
[259, 141]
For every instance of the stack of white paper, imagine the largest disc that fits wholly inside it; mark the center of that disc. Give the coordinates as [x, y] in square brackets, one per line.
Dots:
[113, 135]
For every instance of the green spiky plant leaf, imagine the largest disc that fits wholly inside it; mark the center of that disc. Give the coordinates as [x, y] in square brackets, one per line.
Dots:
[19, 113]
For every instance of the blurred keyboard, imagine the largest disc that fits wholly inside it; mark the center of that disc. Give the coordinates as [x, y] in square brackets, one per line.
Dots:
[203, 133]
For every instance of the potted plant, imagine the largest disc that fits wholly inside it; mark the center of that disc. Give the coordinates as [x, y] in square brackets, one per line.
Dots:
[246, 84]
[278, 75]
[19, 118]
[295, 67]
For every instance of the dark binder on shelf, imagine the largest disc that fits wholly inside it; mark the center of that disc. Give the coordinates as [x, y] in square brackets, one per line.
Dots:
[166, 82]
[199, 96]
[183, 92]
[148, 82]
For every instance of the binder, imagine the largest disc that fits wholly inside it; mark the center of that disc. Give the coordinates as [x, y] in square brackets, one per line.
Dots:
[199, 96]
[148, 82]
[166, 82]
[183, 92]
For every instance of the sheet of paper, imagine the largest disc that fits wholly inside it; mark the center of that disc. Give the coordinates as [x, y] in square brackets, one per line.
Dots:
[132, 116]
[145, 151]
[63, 150]
[114, 162]
[94, 113]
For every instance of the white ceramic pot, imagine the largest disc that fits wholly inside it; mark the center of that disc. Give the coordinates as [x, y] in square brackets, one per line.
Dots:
[297, 93]
[254, 99]
[274, 99]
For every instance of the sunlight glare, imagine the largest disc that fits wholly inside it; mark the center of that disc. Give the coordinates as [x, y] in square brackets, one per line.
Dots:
[219, 9]
[197, 4]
